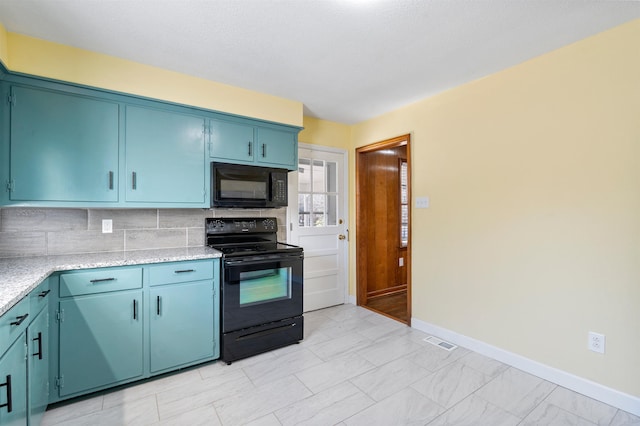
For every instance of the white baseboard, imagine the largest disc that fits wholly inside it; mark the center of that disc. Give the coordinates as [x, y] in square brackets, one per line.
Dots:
[583, 386]
[352, 299]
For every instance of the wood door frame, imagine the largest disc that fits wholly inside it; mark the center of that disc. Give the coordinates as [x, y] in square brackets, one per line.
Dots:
[361, 218]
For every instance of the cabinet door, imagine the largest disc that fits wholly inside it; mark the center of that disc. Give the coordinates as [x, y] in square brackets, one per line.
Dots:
[38, 354]
[231, 142]
[181, 324]
[276, 148]
[13, 384]
[100, 340]
[63, 147]
[164, 157]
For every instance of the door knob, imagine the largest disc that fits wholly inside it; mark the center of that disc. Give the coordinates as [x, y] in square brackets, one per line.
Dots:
[342, 237]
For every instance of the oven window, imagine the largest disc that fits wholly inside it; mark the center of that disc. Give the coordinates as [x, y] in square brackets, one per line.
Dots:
[265, 285]
[243, 189]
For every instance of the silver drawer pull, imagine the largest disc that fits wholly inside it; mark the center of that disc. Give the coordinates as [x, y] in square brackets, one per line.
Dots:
[99, 280]
[182, 271]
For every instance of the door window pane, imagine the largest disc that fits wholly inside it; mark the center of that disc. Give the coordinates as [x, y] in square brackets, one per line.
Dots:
[317, 193]
[304, 209]
[318, 176]
[304, 175]
[318, 210]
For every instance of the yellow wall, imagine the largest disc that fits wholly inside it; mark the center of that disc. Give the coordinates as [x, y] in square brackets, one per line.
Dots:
[533, 234]
[327, 133]
[4, 50]
[38, 57]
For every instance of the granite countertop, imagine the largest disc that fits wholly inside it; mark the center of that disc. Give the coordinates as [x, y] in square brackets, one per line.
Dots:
[18, 276]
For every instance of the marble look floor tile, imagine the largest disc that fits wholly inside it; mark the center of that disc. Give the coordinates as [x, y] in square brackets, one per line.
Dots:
[516, 391]
[406, 407]
[585, 407]
[218, 368]
[151, 387]
[251, 405]
[549, 415]
[325, 408]
[433, 358]
[486, 365]
[623, 418]
[347, 311]
[473, 411]
[388, 349]
[201, 416]
[377, 331]
[392, 377]
[313, 337]
[189, 397]
[333, 372]
[340, 346]
[221, 373]
[139, 412]
[65, 412]
[451, 384]
[281, 366]
[268, 420]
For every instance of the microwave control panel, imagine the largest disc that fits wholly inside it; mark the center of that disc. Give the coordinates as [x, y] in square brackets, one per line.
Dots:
[279, 188]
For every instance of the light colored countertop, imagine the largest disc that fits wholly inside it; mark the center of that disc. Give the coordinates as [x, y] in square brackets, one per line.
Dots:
[18, 276]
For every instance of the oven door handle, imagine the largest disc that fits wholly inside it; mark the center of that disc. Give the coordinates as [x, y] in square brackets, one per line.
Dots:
[234, 262]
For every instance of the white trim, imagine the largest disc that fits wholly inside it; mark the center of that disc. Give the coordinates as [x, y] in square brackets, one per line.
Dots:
[623, 401]
[351, 299]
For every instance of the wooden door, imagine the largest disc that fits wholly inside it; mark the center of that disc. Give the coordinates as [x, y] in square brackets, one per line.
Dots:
[382, 200]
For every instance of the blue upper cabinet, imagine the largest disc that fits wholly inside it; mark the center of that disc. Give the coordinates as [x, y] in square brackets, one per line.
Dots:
[277, 148]
[260, 145]
[64, 147]
[164, 153]
[232, 142]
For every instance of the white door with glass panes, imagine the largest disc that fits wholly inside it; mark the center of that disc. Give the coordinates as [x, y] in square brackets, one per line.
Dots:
[318, 223]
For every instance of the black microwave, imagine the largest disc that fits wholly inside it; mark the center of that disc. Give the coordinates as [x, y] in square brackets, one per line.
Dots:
[237, 185]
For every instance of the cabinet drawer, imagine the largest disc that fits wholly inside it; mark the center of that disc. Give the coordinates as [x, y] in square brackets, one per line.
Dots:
[13, 323]
[99, 281]
[39, 297]
[169, 273]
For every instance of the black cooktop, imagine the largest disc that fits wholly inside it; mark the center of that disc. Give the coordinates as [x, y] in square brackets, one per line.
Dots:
[253, 249]
[245, 236]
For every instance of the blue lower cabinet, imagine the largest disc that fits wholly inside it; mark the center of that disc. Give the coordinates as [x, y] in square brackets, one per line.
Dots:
[100, 341]
[38, 354]
[13, 384]
[181, 324]
[122, 324]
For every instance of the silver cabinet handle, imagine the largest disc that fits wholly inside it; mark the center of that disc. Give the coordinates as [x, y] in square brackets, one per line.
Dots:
[134, 180]
[110, 179]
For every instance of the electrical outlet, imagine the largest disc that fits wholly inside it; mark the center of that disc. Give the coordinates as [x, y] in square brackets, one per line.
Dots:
[422, 202]
[107, 226]
[596, 342]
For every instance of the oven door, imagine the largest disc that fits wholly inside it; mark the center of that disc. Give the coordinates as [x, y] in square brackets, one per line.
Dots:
[258, 291]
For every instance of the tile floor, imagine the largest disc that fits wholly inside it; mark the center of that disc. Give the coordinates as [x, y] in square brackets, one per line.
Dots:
[354, 367]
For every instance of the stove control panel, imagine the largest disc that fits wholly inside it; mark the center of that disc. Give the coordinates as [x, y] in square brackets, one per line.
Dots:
[240, 225]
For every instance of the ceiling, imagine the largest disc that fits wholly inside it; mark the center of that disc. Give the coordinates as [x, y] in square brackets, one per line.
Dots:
[345, 60]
